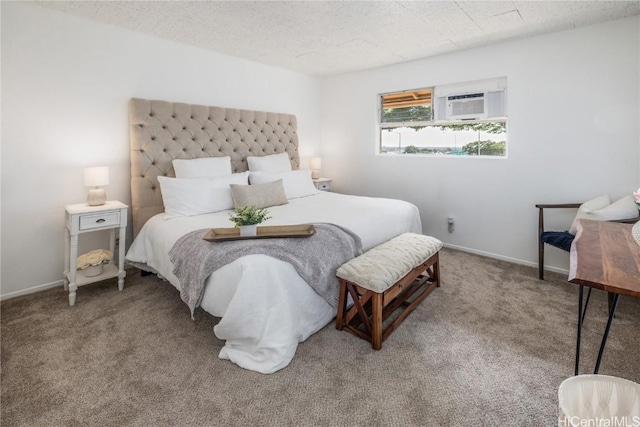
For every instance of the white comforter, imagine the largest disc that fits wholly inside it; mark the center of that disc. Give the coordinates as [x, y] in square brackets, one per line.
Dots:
[265, 306]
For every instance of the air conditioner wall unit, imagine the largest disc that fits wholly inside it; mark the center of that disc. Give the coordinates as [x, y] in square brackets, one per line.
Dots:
[471, 106]
[466, 106]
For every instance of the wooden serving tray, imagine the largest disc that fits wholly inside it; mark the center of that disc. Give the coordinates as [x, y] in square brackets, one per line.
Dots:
[265, 232]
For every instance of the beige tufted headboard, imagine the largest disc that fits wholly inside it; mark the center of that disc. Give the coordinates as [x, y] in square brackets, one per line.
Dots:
[162, 131]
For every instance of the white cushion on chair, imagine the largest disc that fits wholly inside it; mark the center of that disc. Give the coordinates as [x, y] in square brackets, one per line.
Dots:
[383, 266]
[589, 206]
[620, 209]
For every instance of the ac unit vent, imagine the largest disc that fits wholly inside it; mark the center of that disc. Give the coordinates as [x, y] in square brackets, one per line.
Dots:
[470, 106]
[496, 104]
[466, 106]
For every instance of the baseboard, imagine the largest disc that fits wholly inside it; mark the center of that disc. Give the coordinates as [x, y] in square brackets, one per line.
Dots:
[505, 258]
[31, 290]
[46, 286]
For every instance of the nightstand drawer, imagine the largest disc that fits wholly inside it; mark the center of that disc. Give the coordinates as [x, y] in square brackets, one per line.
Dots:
[104, 219]
[323, 184]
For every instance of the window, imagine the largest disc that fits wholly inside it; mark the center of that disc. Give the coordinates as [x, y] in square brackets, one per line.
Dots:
[457, 120]
[411, 106]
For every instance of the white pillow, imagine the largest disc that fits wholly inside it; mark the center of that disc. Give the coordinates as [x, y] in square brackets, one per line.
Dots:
[620, 209]
[202, 167]
[297, 183]
[589, 206]
[273, 163]
[197, 196]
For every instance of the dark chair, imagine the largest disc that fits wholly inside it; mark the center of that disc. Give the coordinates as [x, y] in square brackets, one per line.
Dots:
[558, 239]
[563, 240]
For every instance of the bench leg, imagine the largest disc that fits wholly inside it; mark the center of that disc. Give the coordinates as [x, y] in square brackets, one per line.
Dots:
[342, 305]
[376, 327]
[436, 270]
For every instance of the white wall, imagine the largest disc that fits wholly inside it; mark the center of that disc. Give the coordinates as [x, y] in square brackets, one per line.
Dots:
[573, 134]
[66, 82]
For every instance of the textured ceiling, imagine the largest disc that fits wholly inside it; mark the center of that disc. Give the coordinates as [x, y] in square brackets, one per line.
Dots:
[324, 38]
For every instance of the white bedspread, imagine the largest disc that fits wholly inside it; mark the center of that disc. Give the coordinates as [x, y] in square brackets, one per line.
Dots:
[265, 306]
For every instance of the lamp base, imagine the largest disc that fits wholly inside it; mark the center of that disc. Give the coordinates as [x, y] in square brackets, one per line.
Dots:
[96, 197]
[315, 174]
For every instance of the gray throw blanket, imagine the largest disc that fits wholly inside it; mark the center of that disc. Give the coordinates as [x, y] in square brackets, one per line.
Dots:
[315, 258]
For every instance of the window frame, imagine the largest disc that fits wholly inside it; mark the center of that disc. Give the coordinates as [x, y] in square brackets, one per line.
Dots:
[384, 125]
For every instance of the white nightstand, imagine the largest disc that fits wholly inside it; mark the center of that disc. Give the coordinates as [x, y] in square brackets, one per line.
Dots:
[82, 218]
[323, 184]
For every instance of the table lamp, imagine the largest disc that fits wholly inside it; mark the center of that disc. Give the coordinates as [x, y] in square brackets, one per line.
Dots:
[315, 164]
[96, 177]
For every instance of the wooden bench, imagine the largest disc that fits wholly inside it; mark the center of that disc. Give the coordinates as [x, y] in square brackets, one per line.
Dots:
[385, 279]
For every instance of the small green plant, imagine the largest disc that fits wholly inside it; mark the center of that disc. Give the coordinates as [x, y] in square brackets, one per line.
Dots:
[249, 215]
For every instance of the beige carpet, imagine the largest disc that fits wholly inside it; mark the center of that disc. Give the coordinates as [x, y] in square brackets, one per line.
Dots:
[488, 348]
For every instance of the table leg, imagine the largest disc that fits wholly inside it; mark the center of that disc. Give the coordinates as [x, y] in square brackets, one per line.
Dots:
[612, 311]
[580, 293]
[121, 272]
[67, 265]
[73, 256]
[586, 304]
[112, 241]
[610, 296]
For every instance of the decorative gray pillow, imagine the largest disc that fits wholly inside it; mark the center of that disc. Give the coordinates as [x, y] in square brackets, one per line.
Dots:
[259, 195]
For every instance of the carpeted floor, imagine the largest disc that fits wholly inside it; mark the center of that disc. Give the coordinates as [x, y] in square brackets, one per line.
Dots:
[488, 348]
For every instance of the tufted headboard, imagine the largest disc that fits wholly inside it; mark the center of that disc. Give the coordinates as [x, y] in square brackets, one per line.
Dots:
[162, 131]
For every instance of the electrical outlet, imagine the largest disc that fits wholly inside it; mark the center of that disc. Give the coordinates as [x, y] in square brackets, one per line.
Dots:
[451, 224]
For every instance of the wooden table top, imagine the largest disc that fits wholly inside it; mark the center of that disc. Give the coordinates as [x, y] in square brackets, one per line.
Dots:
[604, 255]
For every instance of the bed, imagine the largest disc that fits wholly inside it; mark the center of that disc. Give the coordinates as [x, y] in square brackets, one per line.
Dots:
[284, 309]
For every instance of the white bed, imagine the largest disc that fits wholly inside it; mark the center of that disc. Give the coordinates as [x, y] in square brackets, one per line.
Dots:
[266, 308]
[284, 309]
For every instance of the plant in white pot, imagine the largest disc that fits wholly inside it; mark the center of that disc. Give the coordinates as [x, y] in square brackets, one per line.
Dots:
[247, 218]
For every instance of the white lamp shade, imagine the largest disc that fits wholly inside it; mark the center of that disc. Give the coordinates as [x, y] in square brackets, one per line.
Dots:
[315, 163]
[95, 177]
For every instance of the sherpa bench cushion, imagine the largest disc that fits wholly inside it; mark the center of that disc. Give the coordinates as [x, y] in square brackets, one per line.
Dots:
[383, 266]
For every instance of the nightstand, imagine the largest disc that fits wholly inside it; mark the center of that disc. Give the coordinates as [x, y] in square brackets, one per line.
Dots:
[82, 218]
[323, 184]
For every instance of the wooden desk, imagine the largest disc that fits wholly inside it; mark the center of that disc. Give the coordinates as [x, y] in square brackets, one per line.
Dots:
[604, 255]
